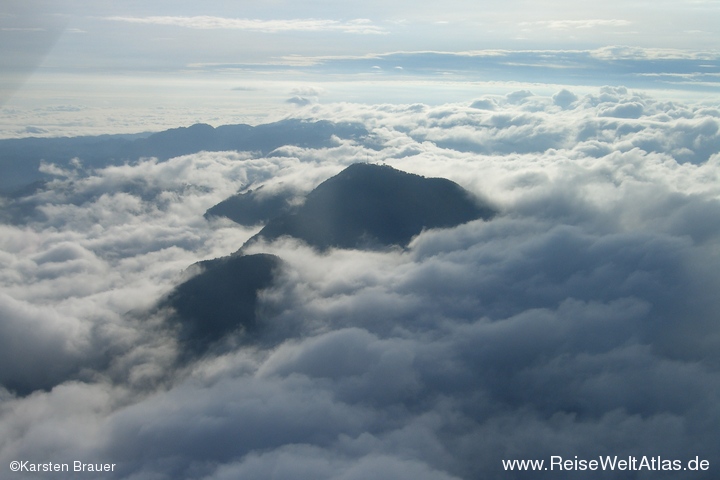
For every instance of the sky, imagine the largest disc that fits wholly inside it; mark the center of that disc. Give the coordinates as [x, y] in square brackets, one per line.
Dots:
[581, 321]
[72, 67]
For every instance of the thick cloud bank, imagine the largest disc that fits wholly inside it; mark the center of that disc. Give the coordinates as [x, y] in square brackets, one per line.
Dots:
[582, 320]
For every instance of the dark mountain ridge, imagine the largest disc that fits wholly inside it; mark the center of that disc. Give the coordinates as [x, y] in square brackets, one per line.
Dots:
[253, 207]
[221, 299]
[20, 158]
[367, 206]
[262, 138]
[364, 206]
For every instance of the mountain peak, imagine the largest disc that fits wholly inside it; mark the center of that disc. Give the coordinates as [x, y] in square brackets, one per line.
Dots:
[370, 206]
[221, 299]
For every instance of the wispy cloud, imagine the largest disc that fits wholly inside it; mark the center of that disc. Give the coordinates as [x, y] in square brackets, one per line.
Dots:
[621, 65]
[574, 24]
[355, 26]
[623, 52]
[611, 53]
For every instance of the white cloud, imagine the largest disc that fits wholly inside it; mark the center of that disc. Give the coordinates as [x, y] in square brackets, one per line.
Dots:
[356, 26]
[576, 24]
[308, 91]
[300, 101]
[210, 95]
[623, 52]
[580, 321]
[305, 462]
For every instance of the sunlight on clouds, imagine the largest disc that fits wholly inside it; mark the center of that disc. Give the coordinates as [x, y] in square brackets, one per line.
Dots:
[572, 24]
[357, 26]
[525, 334]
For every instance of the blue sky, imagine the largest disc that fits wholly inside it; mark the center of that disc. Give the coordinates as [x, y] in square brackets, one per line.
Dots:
[194, 58]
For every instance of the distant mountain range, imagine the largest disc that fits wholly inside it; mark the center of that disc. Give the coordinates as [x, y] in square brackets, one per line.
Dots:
[20, 158]
[253, 207]
[363, 207]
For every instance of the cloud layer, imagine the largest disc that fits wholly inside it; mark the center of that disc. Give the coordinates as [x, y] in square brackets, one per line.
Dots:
[357, 26]
[582, 320]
